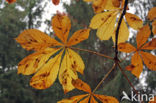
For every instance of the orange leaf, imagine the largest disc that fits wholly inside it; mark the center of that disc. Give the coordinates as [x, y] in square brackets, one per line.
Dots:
[150, 45]
[149, 60]
[136, 65]
[78, 36]
[116, 3]
[134, 21]
[153, 100]
[56, 2]
[106, 99]
[11, 1]
[92, 100]
[61, 25]
[86, 100]
[143, 35]
[35, 61]
[152, 13]
[74, 99]
[79, 84]
[33, 39]
[154, 27]
[126, 47]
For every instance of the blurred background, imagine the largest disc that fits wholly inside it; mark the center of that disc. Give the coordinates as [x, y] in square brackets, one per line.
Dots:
[26, 14]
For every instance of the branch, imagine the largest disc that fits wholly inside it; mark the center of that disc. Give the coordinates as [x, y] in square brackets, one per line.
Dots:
[117, 30]
[93, 52]
[104, 78]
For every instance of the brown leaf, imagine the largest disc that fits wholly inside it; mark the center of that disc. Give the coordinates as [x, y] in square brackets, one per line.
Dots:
[150, 45]
[152, 13]
[126, 47]
[56, 2]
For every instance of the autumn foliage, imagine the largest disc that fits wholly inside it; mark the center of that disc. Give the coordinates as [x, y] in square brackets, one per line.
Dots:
[56, 57]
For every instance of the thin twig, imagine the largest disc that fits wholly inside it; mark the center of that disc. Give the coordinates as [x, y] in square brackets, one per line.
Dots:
[122, 71]
[93, 52]
[118, 28]
[104, 78]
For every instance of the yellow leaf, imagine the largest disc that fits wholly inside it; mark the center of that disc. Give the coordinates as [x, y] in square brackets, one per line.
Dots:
[47, 75]
[99, 5]
[86, 100]
[150, 45]
[106, 99]
[110, 5]
[149, 60]
[134, 21]
[74, 99]
[153, 100]
[61, 25]
[143, 35]
[67, 73]
[33, 39]
[99, 19]
[78, 36]
[106, 30]
[126, 47]
[152, 13]
[79, 84]
[35, 61]
[76, 61]
[92, 100]
[136, 65]
[123, 33]
[154, 27]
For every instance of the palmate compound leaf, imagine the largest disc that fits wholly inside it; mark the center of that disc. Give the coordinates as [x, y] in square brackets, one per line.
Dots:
[136, 66]
[79, 84]
[11, 1]
[46, 61]
[106, 24]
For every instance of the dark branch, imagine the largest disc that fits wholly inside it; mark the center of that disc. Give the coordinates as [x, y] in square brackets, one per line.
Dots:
[118, 28]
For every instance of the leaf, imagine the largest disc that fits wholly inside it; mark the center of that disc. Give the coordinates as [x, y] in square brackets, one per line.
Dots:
[149, 60]
[136, 66]
[126, 47]
[92, 100]
[106, 99]
[78, 36]
[154, 27]
[11, 1]
[61, 25]
[86, 100]
[35, 61]
[56, 2]
[116, 3]
[47, 75]
[153, 100]
[152, 13]
[107, 29]
[33, 39]
[79, 84]
[88, 0]
[73, 99]
[76, 61]
[123, 33]
[110, 5]
[99, 5]
[143, 35]
[134, 21]
[99, 19]
[67, 73]
[150, 45]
